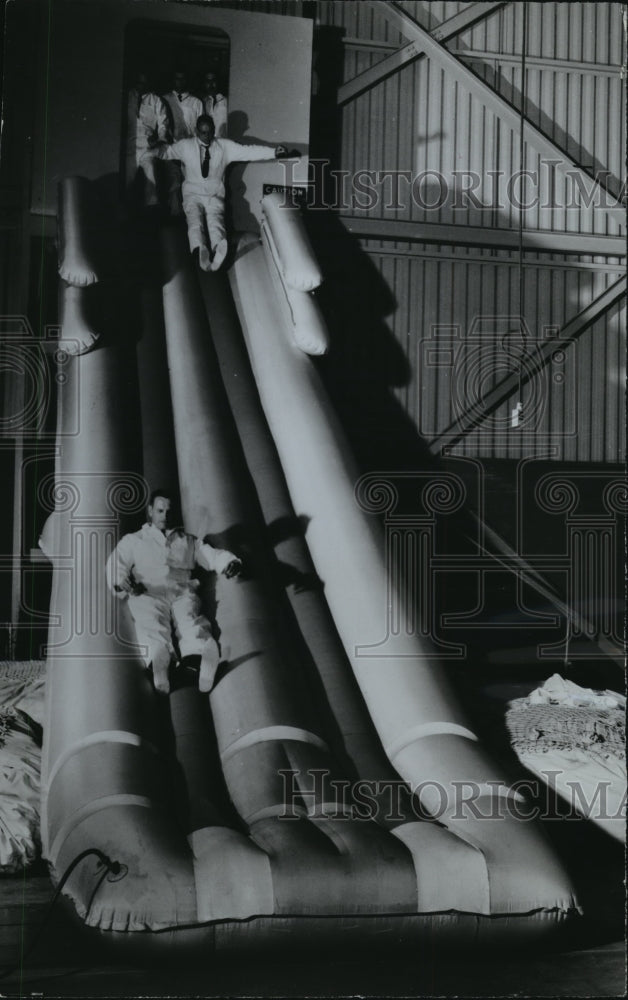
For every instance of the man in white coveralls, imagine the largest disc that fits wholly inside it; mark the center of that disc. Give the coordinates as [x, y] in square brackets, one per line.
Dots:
[205, 159]
[184, 109]
[147, 123]
[152, 568]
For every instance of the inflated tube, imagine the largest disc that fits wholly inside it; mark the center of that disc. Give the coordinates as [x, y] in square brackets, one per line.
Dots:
[102, 773]
[297, 262]
[76, 262]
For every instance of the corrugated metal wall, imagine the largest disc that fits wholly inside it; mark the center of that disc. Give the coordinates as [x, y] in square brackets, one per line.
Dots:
[444, 323]
[419, 120]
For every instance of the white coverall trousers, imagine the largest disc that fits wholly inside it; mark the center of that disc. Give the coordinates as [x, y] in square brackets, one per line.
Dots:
[201, 211]
[146, 163]
[156, 613]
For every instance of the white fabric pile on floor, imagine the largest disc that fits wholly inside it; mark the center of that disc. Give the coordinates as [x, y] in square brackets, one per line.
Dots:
[21, 712]
[22, 684]
[574, 739]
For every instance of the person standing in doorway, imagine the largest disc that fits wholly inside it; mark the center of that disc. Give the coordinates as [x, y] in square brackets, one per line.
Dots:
[214, 104]
[147, 124]
[184, 107]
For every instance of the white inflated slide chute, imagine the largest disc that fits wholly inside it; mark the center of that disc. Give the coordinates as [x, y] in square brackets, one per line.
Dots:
[214, 877]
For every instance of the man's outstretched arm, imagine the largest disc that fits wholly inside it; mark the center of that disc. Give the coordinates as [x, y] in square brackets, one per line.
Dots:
[239, 153]
[218, 560]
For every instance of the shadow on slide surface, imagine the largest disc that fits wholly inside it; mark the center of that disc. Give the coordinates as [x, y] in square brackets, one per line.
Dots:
[291, 822]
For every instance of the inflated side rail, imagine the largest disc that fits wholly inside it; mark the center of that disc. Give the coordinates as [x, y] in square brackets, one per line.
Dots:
[426, 735]
[102, 781]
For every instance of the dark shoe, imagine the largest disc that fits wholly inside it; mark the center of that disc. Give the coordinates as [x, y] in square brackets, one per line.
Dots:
[191, 662]
[219, 254]
[185, 674]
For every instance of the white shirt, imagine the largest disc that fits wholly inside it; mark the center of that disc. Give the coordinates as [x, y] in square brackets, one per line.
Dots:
[145, 557]
[184, 113]
[222, 152]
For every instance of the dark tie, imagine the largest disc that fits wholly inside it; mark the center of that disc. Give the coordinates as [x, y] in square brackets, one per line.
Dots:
[180, 96]
[205, 163]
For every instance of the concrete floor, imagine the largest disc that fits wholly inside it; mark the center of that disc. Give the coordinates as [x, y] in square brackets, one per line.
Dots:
[595, 972]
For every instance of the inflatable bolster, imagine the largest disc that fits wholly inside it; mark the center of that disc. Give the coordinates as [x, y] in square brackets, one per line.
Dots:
[77, 335]
[75, 264]
[310, 331]
[296, 261]
[308, 326]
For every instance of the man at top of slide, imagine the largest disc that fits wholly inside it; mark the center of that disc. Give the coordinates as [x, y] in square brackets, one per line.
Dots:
[205, 159]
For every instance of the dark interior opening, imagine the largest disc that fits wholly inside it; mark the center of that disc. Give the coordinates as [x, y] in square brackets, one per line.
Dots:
[159, 49]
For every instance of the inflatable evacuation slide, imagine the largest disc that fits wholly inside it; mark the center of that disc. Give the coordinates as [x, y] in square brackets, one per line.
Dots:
[264, 850]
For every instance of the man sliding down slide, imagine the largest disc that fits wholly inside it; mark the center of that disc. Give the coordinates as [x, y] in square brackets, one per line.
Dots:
[205, 159]
[152, 567]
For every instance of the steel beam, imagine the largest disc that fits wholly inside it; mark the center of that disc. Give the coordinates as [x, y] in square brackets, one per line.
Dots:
[556, 65]
[474, 256]
[542, 241]
[448, 29]
[507, 112]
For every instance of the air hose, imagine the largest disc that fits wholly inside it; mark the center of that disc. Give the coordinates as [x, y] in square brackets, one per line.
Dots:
[113, 872]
